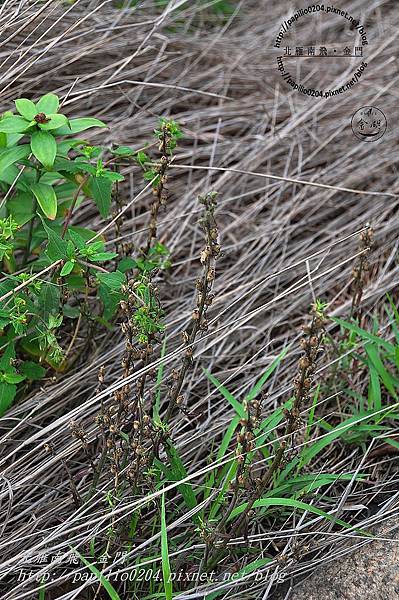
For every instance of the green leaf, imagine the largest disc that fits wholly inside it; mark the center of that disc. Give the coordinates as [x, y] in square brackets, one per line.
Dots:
[49, 300]
[13, 377]
[44, 148]
[67, 268]
[310, 451]
[32, 370]
[77, 125]
[249, 568]
[160, 370]
[55, 122]
[7, 357]
[20, 207]
[391, 442]
[109, 291]
[77, 239]
[364, 334]
[220, 498]
[290, 502]
[122, 151]
[178, 472]
[72, 312]
[374, 390]
[227, 437]
[7, 395]
[165, 554]
[259, 384]
[238, 407]
[101, 189]
[102, 256]
[126, 264]
[114, 280]
[107, 585]
[56, 247]
[12, 155]
[13, 124]
[48, 104]
[26, 108]
[45, 195]
[142, 158]
[385, 376]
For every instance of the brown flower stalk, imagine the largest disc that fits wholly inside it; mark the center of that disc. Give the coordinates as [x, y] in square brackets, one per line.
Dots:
[360, 270]
[310, 344]
[205, 298]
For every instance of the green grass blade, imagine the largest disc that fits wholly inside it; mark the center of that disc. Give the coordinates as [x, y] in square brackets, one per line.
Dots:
[177, 472]
[374, 390]
[238, 407]
[155, 413]
[42, 591]
[261, 382]
[107, 585]
[250, 568]
[291, 503]
[365, 335]
[388, 380]
[165, 554]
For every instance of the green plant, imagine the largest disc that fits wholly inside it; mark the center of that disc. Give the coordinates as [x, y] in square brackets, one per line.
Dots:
[53, 270]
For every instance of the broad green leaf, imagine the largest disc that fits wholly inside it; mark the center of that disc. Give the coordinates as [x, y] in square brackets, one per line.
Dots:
[109, 291]
[44, 147]
[102, 256]
[107, 585]
[7, 395]
[13, 139]
[55, 122]
[7, 357]
[48, 104]
[13, 377]
[13, 124]
[32, 370]
[67, 268]
[12, 155]
[291, 503]
[10, 175]
[165, 554]
[101, 188]
[45, 195]
[56, 247]
[26, 108]
[126, 264]
[77, 125]
[114, 280]
[49, 300]
[123, 151]
[20, 207]
[77, 239]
